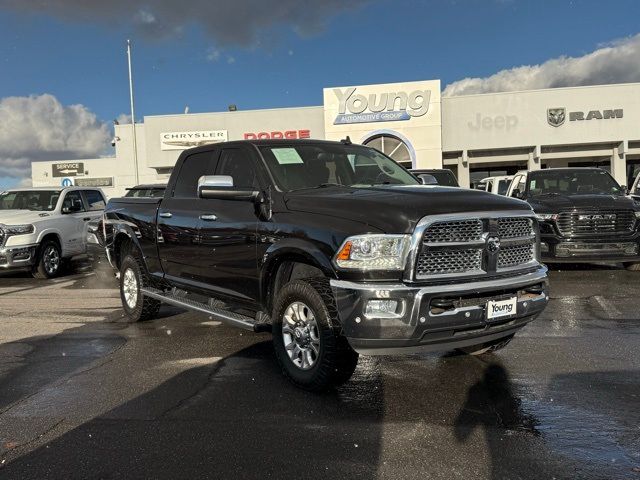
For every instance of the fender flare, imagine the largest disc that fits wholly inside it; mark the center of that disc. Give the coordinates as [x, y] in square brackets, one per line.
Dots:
[292, 249]
[132, 233]
[52, 231]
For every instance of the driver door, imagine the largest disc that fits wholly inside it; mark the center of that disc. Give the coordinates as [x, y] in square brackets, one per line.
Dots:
[72, 224]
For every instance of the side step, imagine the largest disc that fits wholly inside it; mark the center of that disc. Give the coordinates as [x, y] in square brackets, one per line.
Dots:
[231, 318]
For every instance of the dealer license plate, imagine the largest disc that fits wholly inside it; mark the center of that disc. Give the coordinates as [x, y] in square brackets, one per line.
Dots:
[502, 308]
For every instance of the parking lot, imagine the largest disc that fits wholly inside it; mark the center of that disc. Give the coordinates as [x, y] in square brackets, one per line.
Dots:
[83, 394]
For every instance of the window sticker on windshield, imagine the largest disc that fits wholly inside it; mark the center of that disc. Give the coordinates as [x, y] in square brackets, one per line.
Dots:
[533, 184]
[286, 156]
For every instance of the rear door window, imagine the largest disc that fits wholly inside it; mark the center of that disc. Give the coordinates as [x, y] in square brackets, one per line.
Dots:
[95, 200]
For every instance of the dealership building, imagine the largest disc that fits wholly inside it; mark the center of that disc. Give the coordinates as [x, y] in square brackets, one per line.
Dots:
[473, 135]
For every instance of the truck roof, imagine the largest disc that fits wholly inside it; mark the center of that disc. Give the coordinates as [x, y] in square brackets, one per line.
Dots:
[270, 142]
[55, 189]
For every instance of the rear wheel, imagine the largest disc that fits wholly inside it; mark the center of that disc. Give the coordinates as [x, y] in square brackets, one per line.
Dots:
[133, 277]
[309, 347]
[49, 260]
[632, 267]
[488, 347]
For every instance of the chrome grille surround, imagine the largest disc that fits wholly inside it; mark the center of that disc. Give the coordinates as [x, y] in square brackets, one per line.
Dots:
[464, 245]
[575, 223]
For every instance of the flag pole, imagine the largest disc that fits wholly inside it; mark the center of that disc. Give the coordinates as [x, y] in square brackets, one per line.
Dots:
[133, 115]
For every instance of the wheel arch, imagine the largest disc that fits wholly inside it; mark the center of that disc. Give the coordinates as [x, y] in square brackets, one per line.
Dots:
[124, 240]
[289, 262]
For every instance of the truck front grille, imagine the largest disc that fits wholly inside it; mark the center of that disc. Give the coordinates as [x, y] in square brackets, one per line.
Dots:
[443, 262]
[455, 231]
[514, 255]
[476, 246]
[595, 222]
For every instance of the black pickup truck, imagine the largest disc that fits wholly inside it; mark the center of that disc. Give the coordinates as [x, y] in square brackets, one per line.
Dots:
[332, 247]
[584, 214]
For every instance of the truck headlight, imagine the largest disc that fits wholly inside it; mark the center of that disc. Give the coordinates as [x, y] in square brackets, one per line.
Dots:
[546, 216]
[373, 252]
[19, 229]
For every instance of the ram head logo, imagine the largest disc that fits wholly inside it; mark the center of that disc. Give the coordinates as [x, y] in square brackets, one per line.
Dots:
[556, 116]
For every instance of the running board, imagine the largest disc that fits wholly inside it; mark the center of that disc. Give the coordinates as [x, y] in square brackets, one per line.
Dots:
[231, 318]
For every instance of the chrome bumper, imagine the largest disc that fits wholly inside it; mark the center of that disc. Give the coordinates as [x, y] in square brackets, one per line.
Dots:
[417, 326]
[22, 256]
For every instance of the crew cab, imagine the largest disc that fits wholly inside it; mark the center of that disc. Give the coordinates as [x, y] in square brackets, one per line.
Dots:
[332, 247]
[584, 214]
[40, 228]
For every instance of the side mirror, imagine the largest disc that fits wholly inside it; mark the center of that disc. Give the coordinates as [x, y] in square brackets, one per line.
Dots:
[221, 187]
[427, 179]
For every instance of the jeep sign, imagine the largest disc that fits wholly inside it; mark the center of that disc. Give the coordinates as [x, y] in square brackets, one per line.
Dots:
[380, 107]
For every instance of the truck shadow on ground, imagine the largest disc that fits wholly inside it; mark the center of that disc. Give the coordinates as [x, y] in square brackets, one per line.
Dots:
[239, 418]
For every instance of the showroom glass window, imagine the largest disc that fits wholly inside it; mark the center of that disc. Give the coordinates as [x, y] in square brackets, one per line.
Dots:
[392, 147]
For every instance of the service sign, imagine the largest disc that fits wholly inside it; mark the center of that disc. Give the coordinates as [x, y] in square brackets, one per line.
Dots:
[67, 169]
[94, 182]
[184, 140]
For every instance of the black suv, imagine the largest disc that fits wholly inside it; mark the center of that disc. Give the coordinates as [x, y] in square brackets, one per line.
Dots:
[584, 214]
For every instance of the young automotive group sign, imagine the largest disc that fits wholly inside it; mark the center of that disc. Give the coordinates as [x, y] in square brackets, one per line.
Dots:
[391, 106]
[184, 140]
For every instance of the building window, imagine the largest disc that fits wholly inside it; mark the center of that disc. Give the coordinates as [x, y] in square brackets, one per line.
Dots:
[391, 146]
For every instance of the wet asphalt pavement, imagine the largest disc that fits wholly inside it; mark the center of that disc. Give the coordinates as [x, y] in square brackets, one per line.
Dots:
[83, 394]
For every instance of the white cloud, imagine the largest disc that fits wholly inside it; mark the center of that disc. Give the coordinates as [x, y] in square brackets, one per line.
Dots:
[123, 119]
[617, 62]
[39, 127]
[231, 60]
[213, 54]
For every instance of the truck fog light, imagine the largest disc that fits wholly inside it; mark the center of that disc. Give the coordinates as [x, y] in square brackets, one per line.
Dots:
[384, 309]
[544, 247]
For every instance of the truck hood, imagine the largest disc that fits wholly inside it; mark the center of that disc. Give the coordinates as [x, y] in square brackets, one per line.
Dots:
[20, 217]
[396, 208]
[557, 203]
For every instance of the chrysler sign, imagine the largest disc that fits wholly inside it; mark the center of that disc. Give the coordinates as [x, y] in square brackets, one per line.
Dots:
[380, 107]
[184, 140]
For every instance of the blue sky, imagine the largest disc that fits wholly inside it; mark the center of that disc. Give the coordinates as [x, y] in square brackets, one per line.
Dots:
[84, 62]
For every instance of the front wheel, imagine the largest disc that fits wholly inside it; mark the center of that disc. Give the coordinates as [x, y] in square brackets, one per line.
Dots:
[132, 278]
[308, 344]
[49, 260]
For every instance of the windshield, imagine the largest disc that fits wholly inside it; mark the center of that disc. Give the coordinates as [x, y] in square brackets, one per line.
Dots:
[572, 182]
[298, 167]
[34, 200]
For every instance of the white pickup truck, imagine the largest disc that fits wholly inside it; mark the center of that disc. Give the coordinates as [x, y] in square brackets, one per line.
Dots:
[40, 228]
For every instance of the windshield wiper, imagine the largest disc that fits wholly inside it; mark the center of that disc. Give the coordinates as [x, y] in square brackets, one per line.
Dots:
[322, 185]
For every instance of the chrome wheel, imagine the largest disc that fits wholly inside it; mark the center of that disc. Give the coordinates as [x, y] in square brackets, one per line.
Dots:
[130, 288]
[51, 260]
[301, 335]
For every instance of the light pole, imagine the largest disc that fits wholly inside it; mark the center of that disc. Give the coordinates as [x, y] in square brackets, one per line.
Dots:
[133, 115]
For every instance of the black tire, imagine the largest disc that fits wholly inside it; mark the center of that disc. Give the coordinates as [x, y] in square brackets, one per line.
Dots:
[632, 267]
[49, 261]
[137, 307]
[488, 347]
[335, 360]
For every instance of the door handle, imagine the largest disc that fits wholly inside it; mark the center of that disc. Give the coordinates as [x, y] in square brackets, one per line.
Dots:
[165, 215]
[209, 218]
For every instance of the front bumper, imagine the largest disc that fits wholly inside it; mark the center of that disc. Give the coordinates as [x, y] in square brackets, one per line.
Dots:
[422, 327]
[556, 249]
[17, 257]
